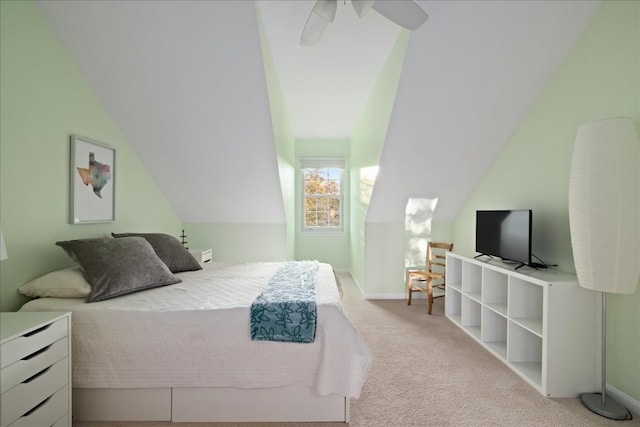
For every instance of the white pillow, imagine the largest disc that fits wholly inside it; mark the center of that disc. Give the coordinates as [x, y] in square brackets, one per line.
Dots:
[67, 283]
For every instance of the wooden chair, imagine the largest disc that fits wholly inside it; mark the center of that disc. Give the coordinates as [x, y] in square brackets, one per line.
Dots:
[436, 257]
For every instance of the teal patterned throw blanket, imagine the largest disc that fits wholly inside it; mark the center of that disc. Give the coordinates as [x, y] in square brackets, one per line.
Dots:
[286, 309]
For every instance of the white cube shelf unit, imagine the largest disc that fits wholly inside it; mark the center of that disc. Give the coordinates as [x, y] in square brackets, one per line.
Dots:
[540, 323]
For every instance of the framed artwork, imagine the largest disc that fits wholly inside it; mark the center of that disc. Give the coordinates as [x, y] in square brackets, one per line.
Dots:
[92, 178]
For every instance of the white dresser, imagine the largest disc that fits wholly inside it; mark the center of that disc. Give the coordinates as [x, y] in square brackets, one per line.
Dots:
[35, 376]
[202, 255]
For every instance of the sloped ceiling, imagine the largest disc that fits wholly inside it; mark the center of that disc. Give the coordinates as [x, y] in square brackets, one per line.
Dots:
[184, 81]
[470, 76]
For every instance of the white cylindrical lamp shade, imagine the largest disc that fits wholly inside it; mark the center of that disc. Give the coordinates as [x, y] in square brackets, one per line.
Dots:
[604, 206]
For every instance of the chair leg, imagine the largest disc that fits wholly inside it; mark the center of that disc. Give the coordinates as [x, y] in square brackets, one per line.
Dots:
[409, 288]
[430, 293]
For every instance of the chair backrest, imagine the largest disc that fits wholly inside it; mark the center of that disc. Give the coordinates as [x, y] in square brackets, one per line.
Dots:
[436, 256]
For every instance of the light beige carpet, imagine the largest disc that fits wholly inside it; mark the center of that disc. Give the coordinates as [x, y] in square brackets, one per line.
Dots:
[427, 372]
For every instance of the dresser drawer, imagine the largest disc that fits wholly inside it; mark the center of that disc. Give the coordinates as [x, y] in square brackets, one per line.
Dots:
[63, 421]
[22, 346]
[24, 368]
[20, 399]
[50, 412]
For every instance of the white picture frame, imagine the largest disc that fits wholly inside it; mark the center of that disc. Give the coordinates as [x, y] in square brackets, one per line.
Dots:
[92, 179]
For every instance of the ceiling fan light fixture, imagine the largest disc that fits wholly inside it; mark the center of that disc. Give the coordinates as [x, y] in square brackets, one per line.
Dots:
[362, 6]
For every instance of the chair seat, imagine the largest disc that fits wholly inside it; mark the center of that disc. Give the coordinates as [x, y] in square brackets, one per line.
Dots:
[425, 274]
[419, 284]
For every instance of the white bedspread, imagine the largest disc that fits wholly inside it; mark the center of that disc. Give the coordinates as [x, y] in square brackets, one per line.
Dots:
[196, 334]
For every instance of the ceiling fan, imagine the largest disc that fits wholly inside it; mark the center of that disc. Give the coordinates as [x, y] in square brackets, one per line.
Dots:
[405, 13]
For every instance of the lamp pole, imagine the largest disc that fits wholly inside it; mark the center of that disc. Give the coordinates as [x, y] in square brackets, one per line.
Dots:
[597, 402]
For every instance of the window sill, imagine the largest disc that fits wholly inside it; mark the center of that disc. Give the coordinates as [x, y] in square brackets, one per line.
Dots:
[324, 233]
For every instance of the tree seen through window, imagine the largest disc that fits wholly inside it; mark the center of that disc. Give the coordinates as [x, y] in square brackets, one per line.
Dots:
[322, 197]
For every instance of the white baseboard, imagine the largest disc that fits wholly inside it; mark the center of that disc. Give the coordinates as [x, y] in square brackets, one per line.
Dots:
[417, 295]
[624, 399]
[352, 278]
[386, 296]
[370, 296]
[358, 285]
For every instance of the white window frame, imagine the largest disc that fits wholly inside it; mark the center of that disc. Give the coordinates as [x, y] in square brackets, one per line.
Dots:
[309, 162]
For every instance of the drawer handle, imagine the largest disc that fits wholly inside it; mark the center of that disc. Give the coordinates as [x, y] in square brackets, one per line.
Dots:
[38, 406]
[37, 331]
[35, 353]
[33, 377]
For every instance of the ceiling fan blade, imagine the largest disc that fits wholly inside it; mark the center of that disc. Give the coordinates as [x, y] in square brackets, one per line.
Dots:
[323, 13]
[326, 8]
[362, 6]
[405, 13]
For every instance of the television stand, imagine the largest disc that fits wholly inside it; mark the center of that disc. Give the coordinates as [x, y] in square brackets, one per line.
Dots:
[540, 323]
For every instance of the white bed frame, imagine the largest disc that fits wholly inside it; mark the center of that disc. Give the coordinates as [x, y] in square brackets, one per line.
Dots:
[162, 401]
[282, 404]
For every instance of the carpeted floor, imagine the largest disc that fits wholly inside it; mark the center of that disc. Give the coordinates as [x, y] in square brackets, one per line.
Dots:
[427, 372]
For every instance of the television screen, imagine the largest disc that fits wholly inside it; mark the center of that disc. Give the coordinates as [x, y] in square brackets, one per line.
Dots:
[505, 234]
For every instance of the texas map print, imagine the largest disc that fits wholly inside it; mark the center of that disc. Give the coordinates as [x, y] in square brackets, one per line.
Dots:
[97, 175]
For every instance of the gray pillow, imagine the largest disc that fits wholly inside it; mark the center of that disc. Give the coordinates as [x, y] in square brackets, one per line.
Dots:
[169, 249]
[115, 267]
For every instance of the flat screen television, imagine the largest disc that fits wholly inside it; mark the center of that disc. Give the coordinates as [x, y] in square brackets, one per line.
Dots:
[505, 234]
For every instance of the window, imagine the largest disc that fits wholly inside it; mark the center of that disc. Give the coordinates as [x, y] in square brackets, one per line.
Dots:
[322, 206]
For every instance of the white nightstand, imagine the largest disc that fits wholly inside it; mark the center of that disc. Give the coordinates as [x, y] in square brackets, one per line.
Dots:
[35, 375]
[202, 255]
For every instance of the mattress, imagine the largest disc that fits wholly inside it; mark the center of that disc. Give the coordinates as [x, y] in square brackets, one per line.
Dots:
[196, 334]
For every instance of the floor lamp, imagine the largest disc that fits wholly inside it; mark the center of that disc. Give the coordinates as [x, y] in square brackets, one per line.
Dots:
[3, 249]
[604, 218]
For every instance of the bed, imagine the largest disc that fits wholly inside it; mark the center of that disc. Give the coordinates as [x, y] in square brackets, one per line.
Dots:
[183, 352]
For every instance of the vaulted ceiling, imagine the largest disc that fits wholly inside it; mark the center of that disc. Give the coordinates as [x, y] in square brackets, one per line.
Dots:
[327, 85]
[184, 81]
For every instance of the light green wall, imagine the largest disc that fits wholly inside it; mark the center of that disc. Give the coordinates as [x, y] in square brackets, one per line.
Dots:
[44, 99]
[329, 247]
[239, 242]
[284, 140]
[384, 259]
[599, 79]
[385, 246]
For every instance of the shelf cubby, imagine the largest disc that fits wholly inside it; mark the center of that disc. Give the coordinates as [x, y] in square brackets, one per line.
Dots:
[525, 352]
[472, 281]
[453, 304]
[525, 304]
[495, 290]
[453, 272]
[471, 316]
[494, 332]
